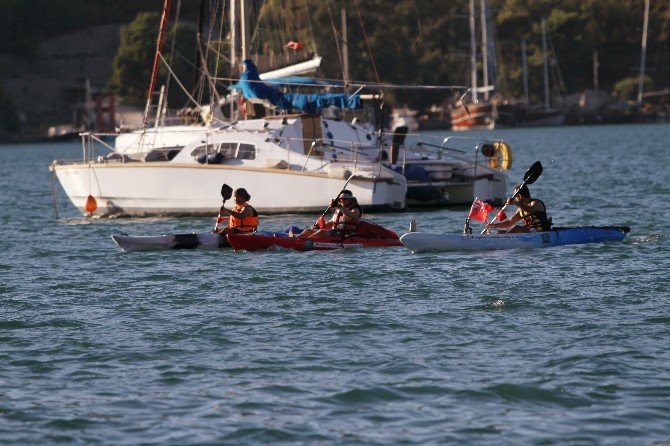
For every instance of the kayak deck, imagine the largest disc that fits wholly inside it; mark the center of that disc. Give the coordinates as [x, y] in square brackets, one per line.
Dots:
[256, 242]
[559, 236]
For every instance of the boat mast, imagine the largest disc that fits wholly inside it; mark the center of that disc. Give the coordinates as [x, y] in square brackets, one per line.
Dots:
[545, 63]
[345, 46]
[524, 69]
[643, 56]
[473, 52]
[244, 32]
[233, 50]
[159, 49]
[485, 50]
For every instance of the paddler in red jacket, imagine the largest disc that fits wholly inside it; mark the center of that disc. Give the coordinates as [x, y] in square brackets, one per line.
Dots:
[243, 217]
[344, 221]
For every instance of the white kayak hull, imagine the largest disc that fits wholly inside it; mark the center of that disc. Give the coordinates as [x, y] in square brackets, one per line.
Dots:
[206, 240]
[426, 242]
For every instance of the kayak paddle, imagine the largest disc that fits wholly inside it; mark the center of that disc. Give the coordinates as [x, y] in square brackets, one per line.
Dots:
[226, 193]
[532, 174]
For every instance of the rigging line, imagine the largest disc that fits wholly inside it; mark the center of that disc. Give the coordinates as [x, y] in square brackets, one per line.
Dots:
[419, 39]
[367, 42]
[351, 84]
[186, 92]
[280, 24]
[255, 40]
[174, 36]
[205, 55]
[220, 39]
[311, 28]
[206, 75]
[338, 38]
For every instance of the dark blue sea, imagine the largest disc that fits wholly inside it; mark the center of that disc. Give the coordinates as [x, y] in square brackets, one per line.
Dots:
[563, 346]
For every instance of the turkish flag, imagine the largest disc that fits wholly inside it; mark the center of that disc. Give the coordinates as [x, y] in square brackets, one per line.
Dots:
[479, 210]
[321, 222]
[501, 215]
[294, 45]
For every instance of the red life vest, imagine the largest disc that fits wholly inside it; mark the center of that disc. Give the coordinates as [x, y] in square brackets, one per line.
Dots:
[347, 227]
[246, 224]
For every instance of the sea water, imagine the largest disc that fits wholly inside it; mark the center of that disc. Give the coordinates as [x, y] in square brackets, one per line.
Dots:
[568, 345]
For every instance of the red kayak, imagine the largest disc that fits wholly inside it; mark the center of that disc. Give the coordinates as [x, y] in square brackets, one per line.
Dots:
[368, 235]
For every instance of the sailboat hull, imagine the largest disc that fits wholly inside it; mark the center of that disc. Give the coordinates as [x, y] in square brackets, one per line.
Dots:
[163, 188]
[477, 116]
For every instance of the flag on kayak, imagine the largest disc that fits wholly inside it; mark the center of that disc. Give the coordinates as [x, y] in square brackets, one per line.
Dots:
[501, 215]
[480, 210]
[321, 222]
[294, 45]
[221, 219]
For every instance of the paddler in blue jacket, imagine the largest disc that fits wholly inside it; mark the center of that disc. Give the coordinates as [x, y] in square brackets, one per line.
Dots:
[532, 213]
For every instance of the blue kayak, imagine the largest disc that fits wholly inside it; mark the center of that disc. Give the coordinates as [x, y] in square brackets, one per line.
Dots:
[424, 241]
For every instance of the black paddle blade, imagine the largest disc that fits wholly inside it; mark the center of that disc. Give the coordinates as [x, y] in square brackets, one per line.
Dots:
[226, 192]
[533, 173]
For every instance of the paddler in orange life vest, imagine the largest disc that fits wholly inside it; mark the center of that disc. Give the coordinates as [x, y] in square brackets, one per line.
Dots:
[243, 217]
[344, 221]
[532, 213]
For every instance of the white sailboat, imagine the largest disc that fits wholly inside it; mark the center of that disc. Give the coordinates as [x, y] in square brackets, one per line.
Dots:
[289, 163]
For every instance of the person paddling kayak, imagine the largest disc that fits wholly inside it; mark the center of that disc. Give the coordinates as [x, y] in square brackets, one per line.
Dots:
[532, 213]
[243, 217]
[344, 222]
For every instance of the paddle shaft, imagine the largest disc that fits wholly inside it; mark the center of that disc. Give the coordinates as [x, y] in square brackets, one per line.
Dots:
[216, 225]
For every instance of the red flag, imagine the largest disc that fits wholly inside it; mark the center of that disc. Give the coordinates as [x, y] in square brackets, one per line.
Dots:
[501, 215]
[221, 219]
[294, 45]
[479, 210]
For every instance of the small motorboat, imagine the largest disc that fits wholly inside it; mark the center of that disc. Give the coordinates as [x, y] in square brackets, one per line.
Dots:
[369, 235]
[559, 236]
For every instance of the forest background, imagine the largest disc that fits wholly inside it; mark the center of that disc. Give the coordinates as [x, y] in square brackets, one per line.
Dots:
[401, 41]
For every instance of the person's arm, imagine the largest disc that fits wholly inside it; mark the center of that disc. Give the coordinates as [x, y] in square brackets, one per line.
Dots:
[353, 214]
[246, 212]
[507, 223]
[533, 206]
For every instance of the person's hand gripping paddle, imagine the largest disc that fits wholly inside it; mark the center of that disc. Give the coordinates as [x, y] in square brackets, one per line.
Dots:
[226, 193]
[532, 174]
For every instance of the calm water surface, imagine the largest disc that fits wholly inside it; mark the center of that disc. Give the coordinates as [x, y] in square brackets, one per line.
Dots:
[567, 345]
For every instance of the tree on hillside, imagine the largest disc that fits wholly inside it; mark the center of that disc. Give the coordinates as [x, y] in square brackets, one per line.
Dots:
[134, 59]
[9, 122]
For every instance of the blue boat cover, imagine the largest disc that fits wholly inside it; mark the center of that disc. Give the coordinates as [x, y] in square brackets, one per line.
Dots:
[253, 88]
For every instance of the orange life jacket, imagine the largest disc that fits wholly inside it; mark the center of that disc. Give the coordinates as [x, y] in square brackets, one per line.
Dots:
[246, 224]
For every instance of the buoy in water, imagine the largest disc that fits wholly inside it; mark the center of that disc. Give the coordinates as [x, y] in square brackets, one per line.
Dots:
[91, 204]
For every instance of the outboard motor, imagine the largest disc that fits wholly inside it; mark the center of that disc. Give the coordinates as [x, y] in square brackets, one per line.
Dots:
[399, 134]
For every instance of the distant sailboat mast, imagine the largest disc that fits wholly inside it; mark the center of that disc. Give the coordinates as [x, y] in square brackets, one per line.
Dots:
[524, 67]
[545, 63]
[643, 57]
[485, 52]
[473, 52]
